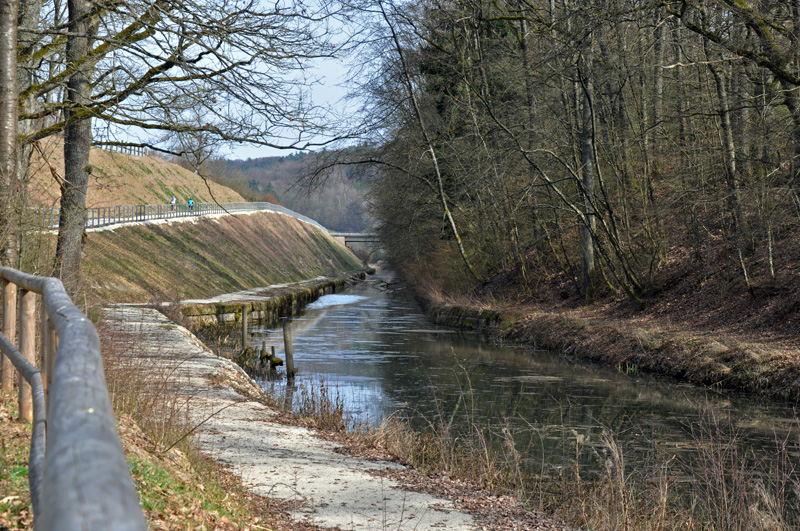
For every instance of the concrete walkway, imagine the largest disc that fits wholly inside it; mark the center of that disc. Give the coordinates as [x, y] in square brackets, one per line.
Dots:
[274, 460]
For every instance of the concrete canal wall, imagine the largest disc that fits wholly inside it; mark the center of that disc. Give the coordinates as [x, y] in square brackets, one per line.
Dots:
[263, 305]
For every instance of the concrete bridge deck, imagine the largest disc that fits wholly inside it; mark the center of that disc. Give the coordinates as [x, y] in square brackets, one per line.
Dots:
[348, 238]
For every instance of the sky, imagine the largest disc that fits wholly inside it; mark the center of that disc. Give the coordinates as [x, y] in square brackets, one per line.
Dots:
[329, 92]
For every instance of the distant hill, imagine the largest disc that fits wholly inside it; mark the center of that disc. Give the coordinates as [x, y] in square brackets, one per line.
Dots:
[119, 179]
[338, 202]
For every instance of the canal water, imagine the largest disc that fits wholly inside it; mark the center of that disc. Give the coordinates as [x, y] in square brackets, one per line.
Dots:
[376, 351]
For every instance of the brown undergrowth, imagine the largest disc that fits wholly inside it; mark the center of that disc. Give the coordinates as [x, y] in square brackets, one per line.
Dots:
[696, 320]
[718, 486]
[716, 361]
[179, 487]
[15, 440]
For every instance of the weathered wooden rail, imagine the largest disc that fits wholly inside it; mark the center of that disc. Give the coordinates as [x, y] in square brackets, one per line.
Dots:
[78, 475]
[47, 218]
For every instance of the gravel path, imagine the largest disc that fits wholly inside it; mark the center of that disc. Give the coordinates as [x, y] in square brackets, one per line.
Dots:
[277, 461]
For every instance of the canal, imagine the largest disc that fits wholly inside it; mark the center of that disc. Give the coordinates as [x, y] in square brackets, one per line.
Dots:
[373, 349]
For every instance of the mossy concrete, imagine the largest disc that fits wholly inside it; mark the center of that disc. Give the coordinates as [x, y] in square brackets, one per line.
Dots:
[265, 306]
[480, 320]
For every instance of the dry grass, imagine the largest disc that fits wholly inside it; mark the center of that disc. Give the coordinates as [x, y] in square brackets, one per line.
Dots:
[321, 404]
[179, 487]
[120, 179]
[715, 488]
[207, 257]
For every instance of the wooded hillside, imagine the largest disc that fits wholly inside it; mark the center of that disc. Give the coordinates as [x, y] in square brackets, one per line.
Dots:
[602, 147]
[337, 198]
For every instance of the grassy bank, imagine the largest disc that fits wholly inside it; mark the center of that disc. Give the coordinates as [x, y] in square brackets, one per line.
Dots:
[119, 179]
[206, 257]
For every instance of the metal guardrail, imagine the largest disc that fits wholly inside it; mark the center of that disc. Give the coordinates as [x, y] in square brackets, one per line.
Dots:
[78, 475]
[47, 217]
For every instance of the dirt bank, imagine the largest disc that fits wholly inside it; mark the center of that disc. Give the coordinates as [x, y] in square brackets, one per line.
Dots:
[722, 360]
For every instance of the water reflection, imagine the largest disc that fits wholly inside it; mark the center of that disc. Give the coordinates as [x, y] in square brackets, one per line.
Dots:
[382, 357]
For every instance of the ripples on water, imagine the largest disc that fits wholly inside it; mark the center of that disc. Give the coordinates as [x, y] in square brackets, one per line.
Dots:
[382, 357]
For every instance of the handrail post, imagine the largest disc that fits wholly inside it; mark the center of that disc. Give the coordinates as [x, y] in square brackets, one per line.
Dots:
[245, 311]
[27, 347]
[9, 330]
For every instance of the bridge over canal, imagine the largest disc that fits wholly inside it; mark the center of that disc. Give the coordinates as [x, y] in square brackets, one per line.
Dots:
[348, 238]
[360, 241]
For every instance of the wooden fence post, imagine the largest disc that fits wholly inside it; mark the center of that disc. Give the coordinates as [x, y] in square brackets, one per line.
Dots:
[244, 326]
[287, 349]
[27, 347]
[9, 330]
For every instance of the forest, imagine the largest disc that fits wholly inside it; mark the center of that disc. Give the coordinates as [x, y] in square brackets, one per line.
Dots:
[337, 200]
[604, 146]
[633, 161]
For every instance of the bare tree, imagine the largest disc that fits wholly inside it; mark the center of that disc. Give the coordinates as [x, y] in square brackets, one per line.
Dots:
[8, 127]
[77, 142]
[8, 150]
[140, 68]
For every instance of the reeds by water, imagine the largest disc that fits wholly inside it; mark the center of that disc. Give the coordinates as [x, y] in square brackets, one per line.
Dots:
[719, 485]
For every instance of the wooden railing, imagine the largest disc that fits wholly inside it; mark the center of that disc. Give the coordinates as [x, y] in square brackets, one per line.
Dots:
[47, 218]
[78, 475]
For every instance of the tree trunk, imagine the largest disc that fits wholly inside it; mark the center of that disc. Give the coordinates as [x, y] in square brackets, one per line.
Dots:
[8, 151]
[729, 154]
[9, 96]
[796, 31]
[29, 38]
[683, 145]
[587, 176]
[792, 103]
[658, 87]
[77, 142]
[529, 101]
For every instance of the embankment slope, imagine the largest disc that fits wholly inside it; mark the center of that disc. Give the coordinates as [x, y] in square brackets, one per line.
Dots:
[203, 257]
[119, 179]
